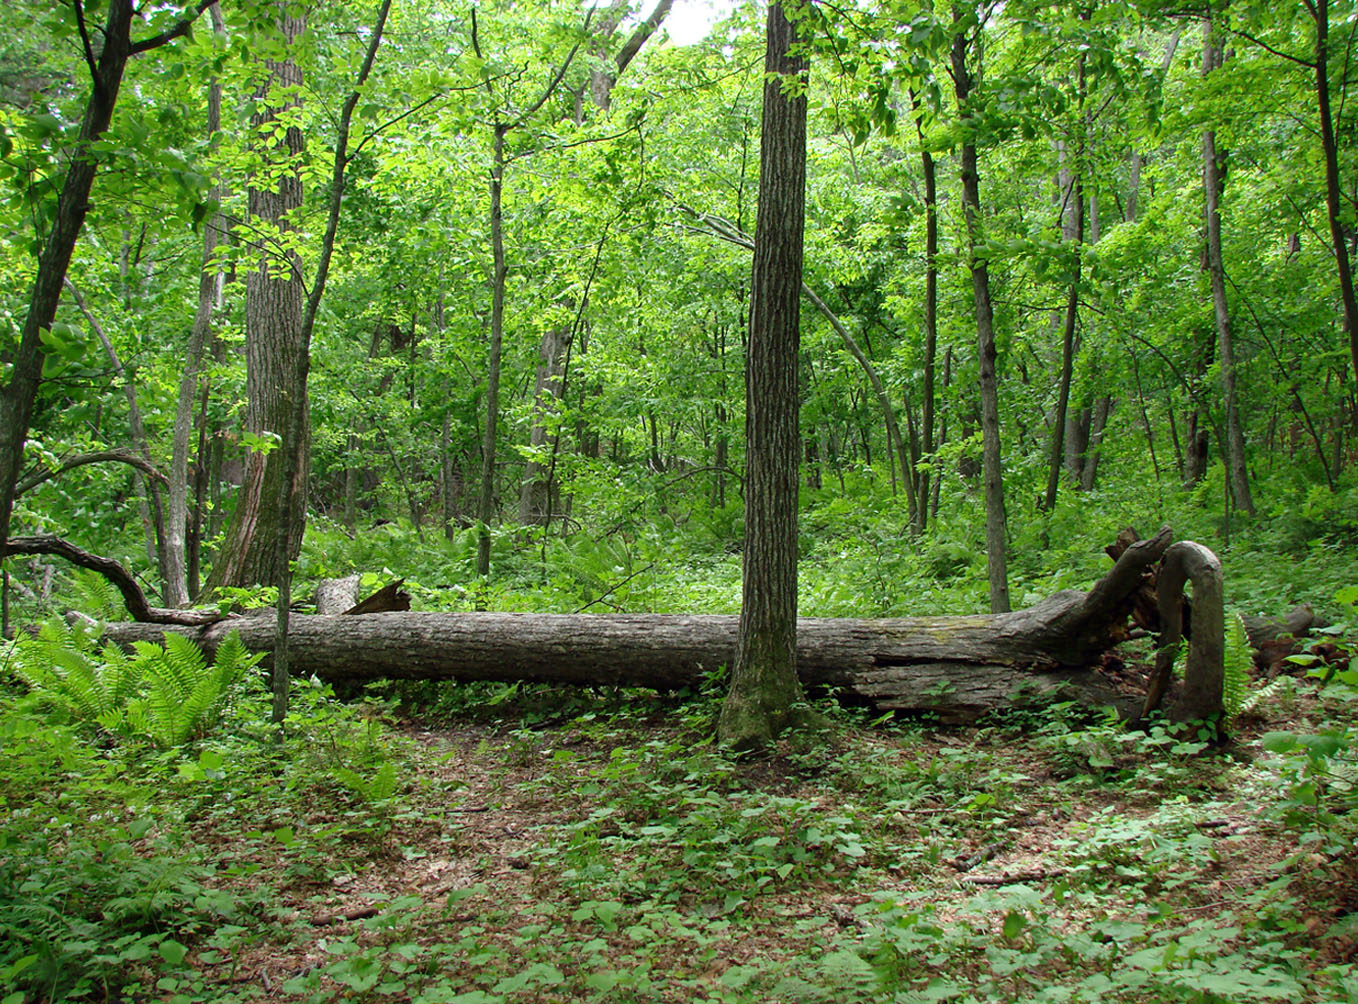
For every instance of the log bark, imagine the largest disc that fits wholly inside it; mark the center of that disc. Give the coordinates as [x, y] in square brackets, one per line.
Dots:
[956, 667]
[1204, 675]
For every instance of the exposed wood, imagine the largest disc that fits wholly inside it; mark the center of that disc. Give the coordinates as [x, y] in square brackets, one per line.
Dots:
[335, 596]
[390, 598]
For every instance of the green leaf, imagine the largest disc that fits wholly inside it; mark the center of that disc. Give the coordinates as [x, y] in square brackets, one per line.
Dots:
[1014, 923]
[1279, 742]
[172, 952]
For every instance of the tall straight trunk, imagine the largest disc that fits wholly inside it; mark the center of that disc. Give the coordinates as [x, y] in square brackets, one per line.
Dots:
[205, 477]
[447, 485]
[536, 502]
[288, 535]
[765, 691]
[1320, 13]
[276, 403]
[1098, 423]
[942, 437]
[1212, 184]
[895, 442]
[1073, 226]
[930, 328]
[485, 509]
[1103, 404]
[996, 528]
[176, 520]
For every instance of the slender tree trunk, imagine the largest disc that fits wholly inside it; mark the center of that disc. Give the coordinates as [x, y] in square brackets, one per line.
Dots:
[1098, 422]
[996, 523]
[942, 437]
[765, 691]
[205, 476]
[930, 322]
[149, 501]
[895, 443]
[485, 509]
[536, 491]
[1073, 225]
[176, 521]
[1213, 183]
[288, 538]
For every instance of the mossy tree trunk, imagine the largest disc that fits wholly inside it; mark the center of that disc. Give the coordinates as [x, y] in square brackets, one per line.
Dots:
[765, 693]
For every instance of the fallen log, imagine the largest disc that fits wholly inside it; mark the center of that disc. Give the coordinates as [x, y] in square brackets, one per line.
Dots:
[957, 667]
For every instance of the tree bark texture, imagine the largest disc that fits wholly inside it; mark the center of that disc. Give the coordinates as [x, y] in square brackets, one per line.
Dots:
[957, 667]
[1320, 13]
[1204, 679]
[764, 687]
[275, 384]
[1212, 184]
[996, 528]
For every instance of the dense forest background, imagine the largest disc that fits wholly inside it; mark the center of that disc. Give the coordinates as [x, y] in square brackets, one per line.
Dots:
[530, 342]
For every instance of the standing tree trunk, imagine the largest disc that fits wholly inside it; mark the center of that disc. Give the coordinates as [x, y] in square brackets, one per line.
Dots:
[996, 529]
[930, 315]
[536, 493]
[765, 691]
[106, 74]
[1073, 227]
[1098, 423]
[1320, 13]
[1212, 183]
[288, 535]
[209, 277]
[275, 384]
[485, 509]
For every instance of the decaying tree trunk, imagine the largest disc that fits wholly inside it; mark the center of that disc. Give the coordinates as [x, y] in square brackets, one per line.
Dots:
[957, 667]
[1205, 676]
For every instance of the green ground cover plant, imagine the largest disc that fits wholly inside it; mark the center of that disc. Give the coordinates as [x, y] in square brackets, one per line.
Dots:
[494, 843]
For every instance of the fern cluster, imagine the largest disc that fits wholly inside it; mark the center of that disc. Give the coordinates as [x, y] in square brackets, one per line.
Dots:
[168, 694]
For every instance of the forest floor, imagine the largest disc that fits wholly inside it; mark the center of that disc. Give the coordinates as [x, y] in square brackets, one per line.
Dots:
[609, 853]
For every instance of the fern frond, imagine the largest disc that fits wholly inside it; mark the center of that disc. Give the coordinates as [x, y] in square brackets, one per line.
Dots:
[234, 660]
[196, 712]
[183, 663]
[162, 705]
[122, 675]
[1239, 663]
[80, 684]
[1279, 691]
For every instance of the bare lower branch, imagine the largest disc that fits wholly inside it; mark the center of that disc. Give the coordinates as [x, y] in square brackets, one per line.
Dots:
[180, 28]
[133, 598]
[116, 456]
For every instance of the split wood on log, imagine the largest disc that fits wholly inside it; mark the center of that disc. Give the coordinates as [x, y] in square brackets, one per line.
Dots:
[957, 667]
